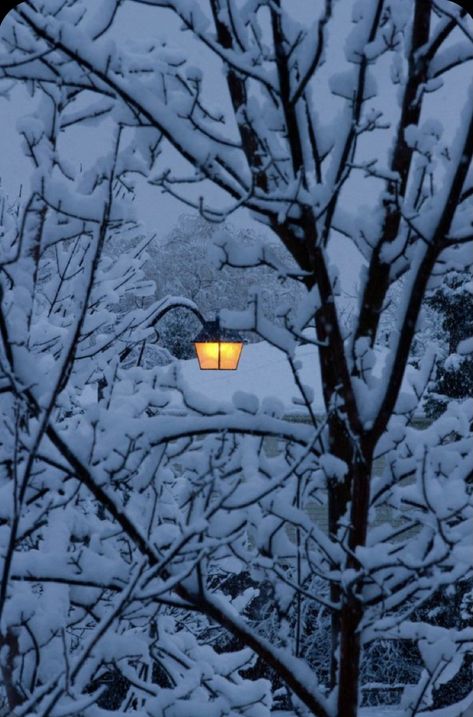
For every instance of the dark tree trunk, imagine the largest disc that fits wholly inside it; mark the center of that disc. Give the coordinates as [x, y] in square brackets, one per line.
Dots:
[338, 499]
[352, 609]
[348, 496]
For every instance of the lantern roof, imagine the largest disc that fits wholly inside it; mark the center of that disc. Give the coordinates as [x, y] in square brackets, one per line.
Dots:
[212, 331]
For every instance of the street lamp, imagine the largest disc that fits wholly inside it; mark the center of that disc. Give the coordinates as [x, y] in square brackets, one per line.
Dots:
[217, 348]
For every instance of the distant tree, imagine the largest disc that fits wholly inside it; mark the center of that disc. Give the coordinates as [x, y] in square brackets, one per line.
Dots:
[452, 300]
[191, 262]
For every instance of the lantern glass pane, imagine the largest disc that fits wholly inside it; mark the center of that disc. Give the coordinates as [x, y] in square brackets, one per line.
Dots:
[230, 354]
[207, 354]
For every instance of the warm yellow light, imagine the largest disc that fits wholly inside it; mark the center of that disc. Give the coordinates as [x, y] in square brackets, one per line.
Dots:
[230, 354]
[207, 354]
[218, 355]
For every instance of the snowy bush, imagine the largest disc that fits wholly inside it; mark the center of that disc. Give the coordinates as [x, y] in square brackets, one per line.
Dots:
[453, 302]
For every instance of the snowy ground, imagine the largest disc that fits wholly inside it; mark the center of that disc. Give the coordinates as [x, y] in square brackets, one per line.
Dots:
[388, 712]
[365, 712]
[264, 371]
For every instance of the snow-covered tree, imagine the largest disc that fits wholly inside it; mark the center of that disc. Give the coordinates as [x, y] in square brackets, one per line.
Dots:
[135, 529]
[453, 303]
[189, 263]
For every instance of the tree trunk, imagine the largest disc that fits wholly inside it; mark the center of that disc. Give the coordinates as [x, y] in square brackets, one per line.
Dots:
[338, 498]
[345, 636]
[351, 613]
[350, 657]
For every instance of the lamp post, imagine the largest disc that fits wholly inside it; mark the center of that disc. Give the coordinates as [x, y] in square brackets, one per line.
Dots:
[217, 348]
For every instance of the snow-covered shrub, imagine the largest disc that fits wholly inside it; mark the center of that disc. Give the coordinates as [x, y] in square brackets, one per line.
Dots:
[453, 302]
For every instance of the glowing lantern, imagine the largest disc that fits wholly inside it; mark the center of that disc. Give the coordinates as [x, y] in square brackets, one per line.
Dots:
[217, 348]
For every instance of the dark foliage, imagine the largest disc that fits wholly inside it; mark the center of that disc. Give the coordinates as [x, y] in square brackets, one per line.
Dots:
[453, 300]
